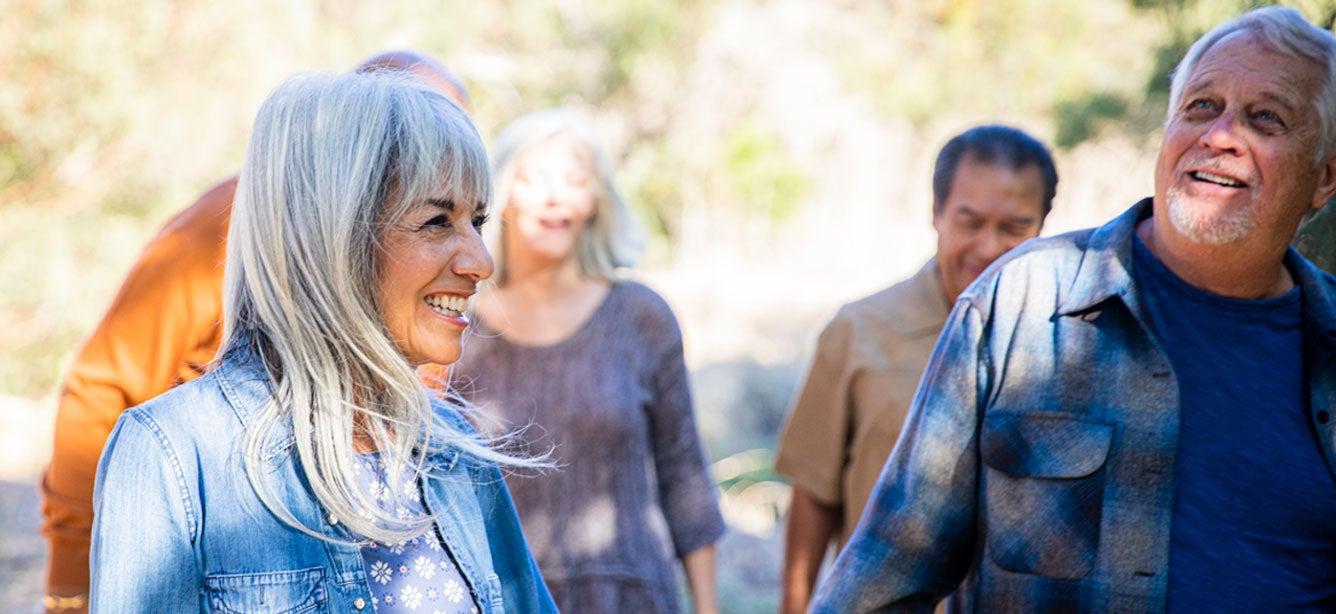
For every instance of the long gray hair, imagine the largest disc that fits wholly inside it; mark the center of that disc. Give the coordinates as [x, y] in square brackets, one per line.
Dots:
[334, 160]
[612, 240]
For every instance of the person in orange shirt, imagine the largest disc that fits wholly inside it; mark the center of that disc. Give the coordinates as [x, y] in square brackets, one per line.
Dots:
[161, 330]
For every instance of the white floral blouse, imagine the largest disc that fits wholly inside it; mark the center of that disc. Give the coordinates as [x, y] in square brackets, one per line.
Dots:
[418, 576]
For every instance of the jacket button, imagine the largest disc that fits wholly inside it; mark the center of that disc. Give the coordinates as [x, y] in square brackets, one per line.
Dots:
[359, 603]
[333, 520]
[1323, 416]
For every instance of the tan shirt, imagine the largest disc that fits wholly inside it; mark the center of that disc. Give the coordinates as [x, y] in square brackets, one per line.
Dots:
[848, 414]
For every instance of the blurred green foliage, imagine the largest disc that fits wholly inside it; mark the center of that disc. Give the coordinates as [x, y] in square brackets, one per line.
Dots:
[1077, 120]
[1138, 113]
[1317, 238]
[115, 114]
[761, 176]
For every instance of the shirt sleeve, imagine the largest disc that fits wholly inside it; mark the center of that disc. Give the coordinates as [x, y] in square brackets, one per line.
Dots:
[162, 322]
[814, 446]
[686, 489]
[142, 546]
[915, 541]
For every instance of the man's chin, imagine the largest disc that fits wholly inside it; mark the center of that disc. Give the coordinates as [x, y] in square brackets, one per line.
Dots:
[1206, 224]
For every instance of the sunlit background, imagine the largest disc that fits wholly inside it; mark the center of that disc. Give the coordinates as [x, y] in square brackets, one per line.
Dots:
[778, 152]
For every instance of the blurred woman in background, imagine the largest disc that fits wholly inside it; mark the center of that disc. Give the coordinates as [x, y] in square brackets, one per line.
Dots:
[310, 470]
[592, 364]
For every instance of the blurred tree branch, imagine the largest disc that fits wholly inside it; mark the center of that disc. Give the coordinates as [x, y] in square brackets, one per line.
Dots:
[1317, 238]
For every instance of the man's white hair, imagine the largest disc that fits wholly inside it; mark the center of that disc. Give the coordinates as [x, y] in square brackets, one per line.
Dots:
[1286, 31]
[333, 161]
[612, 240]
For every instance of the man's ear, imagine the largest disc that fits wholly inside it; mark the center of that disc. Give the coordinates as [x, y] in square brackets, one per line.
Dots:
[1326, 183]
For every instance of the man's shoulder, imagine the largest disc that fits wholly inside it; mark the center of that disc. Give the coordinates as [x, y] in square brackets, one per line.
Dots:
[911, 304]
[192, 245]
[208, 216]
[1043, 267]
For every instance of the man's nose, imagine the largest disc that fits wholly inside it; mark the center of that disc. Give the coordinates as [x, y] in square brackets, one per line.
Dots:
[993, 244]
[1222, 135]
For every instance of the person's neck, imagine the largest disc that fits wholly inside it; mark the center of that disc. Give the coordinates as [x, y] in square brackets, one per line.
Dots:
[1226, 270]
[941, 287]
[542, 281]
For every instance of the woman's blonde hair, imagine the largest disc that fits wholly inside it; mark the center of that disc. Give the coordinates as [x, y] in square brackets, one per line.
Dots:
[612, 240]
[334, 160]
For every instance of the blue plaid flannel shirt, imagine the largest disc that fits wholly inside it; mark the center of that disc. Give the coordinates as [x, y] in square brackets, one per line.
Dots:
[1035, 471]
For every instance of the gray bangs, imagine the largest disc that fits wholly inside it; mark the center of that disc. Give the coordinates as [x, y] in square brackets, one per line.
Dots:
[436, 154]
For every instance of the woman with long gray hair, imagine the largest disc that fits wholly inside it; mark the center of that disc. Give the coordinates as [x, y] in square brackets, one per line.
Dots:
[310, 471]
[593, 362]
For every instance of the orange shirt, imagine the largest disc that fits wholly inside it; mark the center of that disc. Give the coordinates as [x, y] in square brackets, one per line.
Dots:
[162, 328]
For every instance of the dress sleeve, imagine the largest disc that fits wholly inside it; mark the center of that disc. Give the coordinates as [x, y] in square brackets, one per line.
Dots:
[686, 489]
[142, 555]
[165, 311]
[916, 540]
[814, 446]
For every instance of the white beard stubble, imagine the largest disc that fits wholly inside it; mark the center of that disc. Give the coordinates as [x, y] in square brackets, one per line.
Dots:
[1230, 226]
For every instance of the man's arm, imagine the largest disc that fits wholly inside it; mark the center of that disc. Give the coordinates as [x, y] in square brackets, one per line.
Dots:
[811, 526]
[813, 452]
[163, 320]
[915, 541]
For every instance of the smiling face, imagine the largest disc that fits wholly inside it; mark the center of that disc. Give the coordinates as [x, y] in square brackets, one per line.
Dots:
[552, 200]
[1237, 162]
[989, 209]
[431, 261]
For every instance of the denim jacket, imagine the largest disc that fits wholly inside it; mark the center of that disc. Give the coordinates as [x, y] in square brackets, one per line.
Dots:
[179, 528]
[1037, 464]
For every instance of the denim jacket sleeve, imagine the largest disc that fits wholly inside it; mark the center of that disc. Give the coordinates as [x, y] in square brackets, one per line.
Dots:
[916, 539]
[142, 556]
[522, 586]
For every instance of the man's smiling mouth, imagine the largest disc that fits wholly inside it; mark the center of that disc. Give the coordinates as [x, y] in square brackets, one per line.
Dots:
[1220, 180]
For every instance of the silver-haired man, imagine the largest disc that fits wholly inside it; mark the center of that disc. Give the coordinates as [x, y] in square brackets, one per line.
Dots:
[1138, 417]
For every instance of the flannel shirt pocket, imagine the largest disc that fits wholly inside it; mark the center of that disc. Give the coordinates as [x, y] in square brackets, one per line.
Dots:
[1043, 491]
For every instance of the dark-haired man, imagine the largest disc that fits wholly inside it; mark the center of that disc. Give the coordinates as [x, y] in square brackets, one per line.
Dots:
[992, 188]
[160, 331]
[1138, 417]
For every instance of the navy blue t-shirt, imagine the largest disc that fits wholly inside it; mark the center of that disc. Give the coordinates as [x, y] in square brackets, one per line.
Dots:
[1254, 520]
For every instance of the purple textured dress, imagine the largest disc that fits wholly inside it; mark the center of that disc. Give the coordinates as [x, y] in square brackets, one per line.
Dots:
[632, 492]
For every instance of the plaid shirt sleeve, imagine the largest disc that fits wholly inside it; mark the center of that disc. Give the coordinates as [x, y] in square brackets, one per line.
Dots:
[916, 539]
